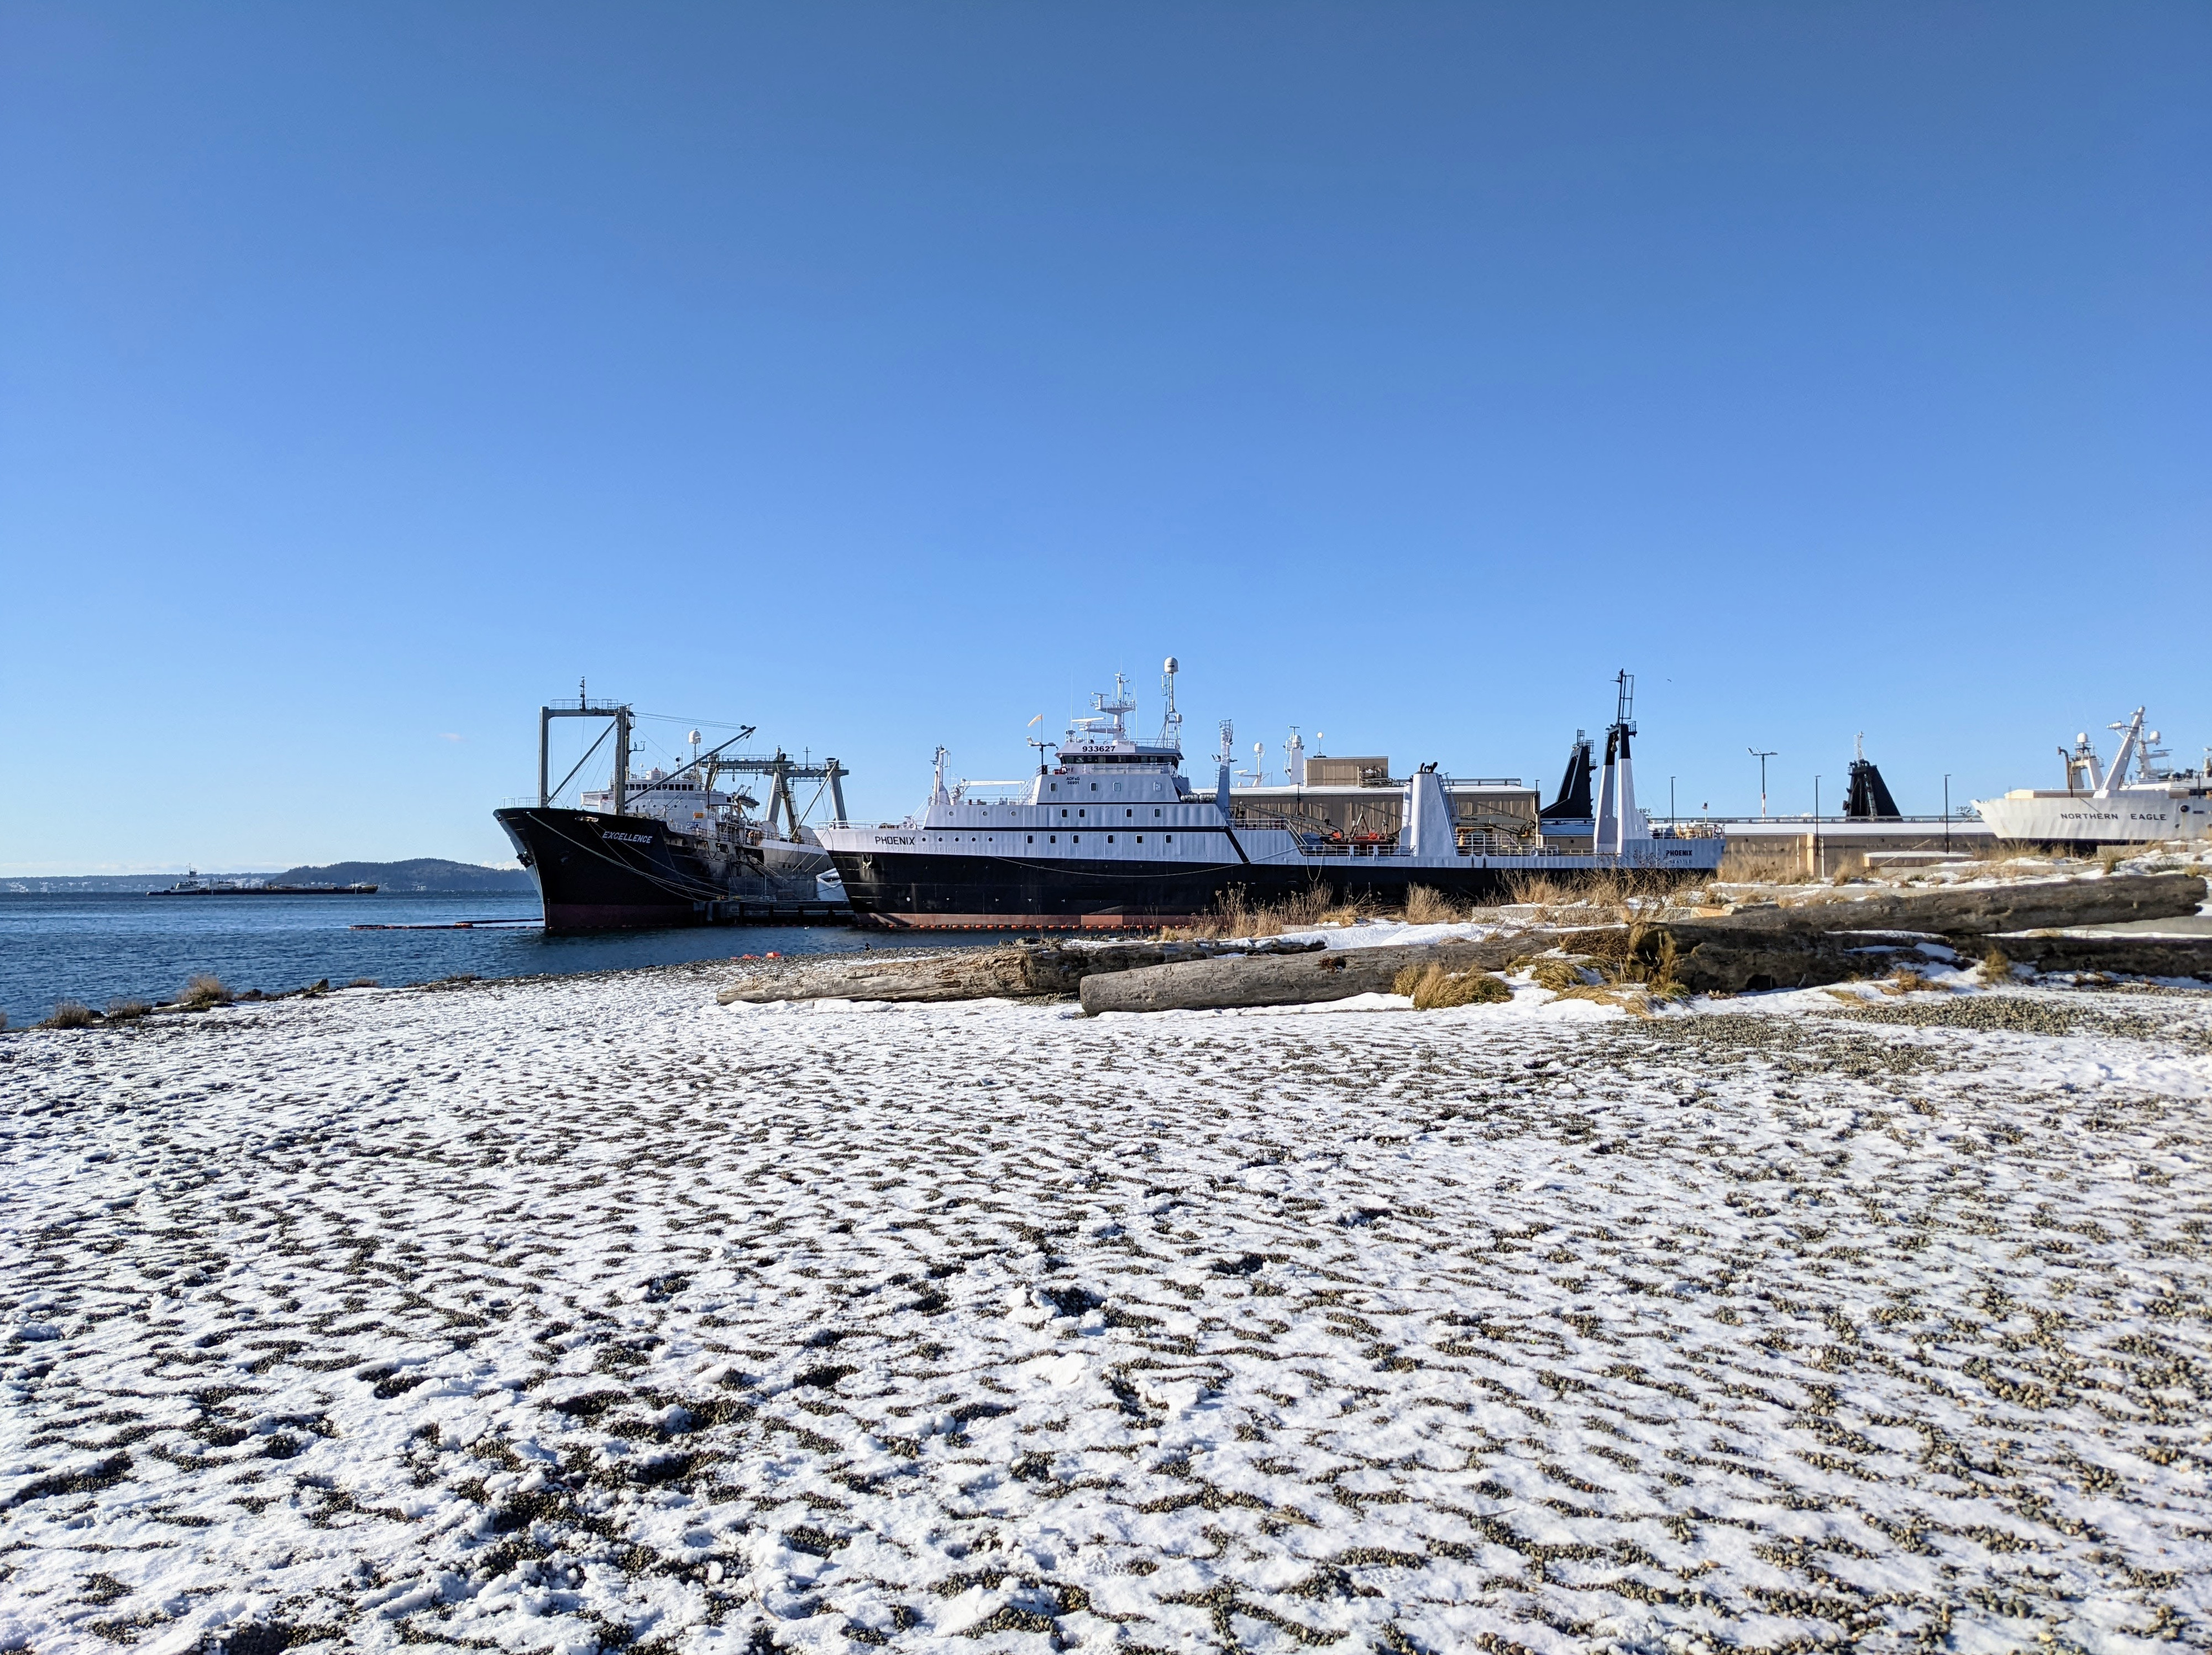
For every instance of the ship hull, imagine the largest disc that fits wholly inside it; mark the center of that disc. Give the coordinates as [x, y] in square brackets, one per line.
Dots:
[606, 872]
[923, 890]
[2083, 823]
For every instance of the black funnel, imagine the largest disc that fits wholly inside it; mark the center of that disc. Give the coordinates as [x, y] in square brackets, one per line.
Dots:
[1868, 799]
[1573, 804]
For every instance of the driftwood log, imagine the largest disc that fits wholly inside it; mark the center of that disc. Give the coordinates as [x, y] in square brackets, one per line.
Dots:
[1297, 980]
[1983, 910]
[1712, 957]
[1013, 971]
[2122, 956]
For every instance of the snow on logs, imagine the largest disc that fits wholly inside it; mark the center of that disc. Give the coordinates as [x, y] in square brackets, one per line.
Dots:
[1015, 971]
[1980, 910]
[1297, 979]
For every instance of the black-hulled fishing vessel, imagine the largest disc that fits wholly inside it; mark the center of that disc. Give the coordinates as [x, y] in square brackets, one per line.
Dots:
[1113, 836]
[674, 847]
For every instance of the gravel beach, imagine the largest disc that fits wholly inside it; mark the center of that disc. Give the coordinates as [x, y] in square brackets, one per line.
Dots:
[580, 1313]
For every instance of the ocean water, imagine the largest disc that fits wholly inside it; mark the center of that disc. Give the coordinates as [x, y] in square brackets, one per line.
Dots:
[99, 947]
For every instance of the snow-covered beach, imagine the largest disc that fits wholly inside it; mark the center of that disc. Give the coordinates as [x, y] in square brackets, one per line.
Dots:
[557, 1314]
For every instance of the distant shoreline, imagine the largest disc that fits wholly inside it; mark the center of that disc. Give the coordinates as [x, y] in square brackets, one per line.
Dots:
[419, 876]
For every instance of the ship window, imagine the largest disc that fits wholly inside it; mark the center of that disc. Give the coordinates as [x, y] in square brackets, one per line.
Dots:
[1094, 786]
[1155, 815]
[1129, 812]
[1028, 839]
[1075, 838]
[1171, 838]
[1052, 838]
[1109, 838]
[1063, 816]
[1140, 838]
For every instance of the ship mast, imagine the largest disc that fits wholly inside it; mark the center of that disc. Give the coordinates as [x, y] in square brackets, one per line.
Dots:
[618, 711]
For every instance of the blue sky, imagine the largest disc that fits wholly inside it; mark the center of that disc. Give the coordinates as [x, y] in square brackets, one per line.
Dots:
[882, 377]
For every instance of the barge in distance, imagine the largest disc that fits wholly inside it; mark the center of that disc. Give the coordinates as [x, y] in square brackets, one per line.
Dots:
[192, 884]
[672, 848]
[1113, 837]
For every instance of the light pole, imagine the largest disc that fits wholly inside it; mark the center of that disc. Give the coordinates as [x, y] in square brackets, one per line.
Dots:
[1947, 812]
[1670, 801]
[1819, 859]
[1762, 757]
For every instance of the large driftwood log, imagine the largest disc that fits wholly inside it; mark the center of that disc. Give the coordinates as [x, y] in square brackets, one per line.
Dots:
[1297, 980]
[1713, 957]
[1717, 956]
[1015, 970]
[1982, 910]
[2124, 956]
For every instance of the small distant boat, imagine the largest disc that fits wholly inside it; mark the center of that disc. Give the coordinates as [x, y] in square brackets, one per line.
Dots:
[192, 884]
[2098, 806]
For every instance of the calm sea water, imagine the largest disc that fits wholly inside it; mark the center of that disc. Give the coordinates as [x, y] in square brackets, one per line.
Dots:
[96, 948]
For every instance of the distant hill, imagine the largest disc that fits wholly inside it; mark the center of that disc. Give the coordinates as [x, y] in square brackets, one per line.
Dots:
[420, 873]
[423, 873]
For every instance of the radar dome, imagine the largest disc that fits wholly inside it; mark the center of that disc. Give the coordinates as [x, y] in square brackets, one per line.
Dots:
[1171, 665]
[695, 738]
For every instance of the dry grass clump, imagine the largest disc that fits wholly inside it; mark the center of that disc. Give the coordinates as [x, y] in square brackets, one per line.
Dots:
[1609, 893]
[1761, 865]
[1425, 905]
[1557, 973]
[1234, 915]
[71, 1014]
[1997, 966]
[1432, 988]
[1904, 980]
[1536, 890]
[202, 990]
[1639, 977]
[2011, 862]
[1631, 997]
[122, 1010]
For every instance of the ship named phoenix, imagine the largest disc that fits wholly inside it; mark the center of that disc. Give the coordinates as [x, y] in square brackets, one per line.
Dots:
[1114, 836]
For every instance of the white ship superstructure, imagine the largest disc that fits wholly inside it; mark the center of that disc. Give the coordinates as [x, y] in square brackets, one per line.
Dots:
[2103, 806]
[1113, 834]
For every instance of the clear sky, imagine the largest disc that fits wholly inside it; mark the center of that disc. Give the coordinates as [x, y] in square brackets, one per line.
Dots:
[883, 376]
